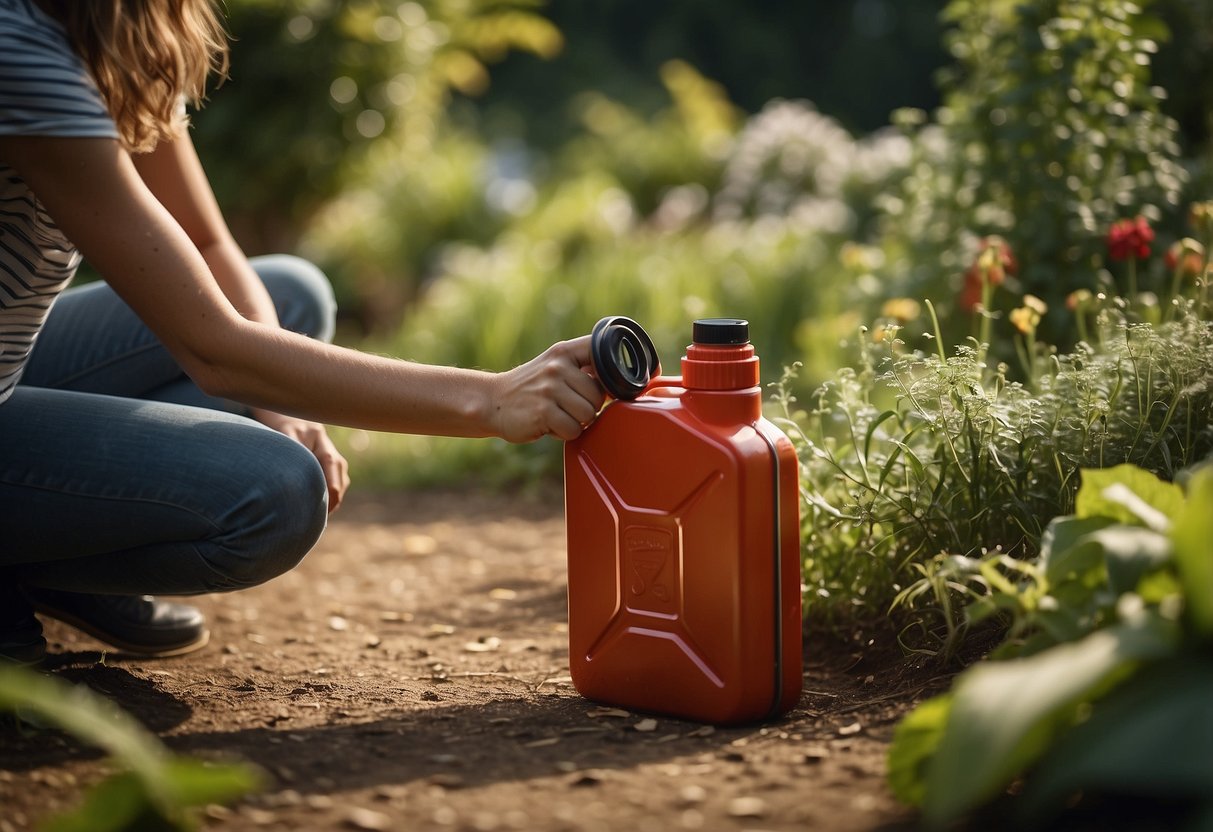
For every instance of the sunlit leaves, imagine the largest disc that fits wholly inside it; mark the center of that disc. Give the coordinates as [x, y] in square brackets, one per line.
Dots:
[1119, 706]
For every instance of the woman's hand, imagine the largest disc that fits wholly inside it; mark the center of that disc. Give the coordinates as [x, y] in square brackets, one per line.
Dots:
[315, 438]
[553, 393]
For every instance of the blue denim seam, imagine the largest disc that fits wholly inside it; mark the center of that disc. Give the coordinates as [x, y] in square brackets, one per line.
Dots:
[124, 499]
[101, 365]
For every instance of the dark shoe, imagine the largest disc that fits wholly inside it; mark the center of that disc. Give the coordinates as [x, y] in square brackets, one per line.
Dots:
[23, 645]
[21, 640]
[136, 624]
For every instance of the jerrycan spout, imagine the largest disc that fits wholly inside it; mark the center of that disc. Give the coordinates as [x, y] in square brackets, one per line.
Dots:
[720, 372]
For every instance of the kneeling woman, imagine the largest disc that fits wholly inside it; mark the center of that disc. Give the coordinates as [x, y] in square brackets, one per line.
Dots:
[162, 432]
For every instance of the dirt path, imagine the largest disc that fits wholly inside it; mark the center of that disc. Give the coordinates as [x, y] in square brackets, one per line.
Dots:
[412, 674]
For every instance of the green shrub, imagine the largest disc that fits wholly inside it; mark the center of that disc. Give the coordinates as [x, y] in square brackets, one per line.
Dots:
[378, 239]
[1050, 132]
[1111, 698]
[913, 458]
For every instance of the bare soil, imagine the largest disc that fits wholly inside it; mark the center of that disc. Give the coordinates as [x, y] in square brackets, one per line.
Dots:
[412, 674]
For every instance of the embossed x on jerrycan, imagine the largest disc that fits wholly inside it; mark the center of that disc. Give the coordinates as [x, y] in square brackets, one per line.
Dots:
[682, 515]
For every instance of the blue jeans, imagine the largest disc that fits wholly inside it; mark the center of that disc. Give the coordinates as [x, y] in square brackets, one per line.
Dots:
[118, 475]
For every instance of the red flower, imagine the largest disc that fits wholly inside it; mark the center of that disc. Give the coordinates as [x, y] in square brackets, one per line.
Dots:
[970, 295]
[1130, 238]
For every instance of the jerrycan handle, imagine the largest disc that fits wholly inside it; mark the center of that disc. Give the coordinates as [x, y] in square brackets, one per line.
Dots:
[624, 358]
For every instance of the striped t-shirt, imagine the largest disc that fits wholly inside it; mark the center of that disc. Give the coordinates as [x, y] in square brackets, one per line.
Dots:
[45, 90]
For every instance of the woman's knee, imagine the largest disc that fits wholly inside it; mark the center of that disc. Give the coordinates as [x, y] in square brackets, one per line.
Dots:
[302, 294]
[279, 521]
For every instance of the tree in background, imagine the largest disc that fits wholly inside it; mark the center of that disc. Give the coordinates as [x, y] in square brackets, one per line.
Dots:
[857, 60]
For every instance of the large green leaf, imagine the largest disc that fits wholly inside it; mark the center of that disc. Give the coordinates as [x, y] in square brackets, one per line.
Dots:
[915, 741]
[91, 719]
[121, 803]
[1005, 714]
[117, 804]
[1149, 738]
[1130, 552]
[1193, 539]
[199, 782]
[1129, 495]
[1065, 548]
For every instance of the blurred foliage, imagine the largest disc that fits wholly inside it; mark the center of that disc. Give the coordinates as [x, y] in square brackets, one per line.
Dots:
[667, 219]
[678, 216]
[377, 240]
[678, 145]
[625, 179]
[153, 789]
[856, 59]
[315, 85]
[1184, 68]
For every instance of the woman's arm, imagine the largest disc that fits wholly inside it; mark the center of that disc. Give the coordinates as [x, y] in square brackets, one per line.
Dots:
[174, 175]
[92, 189]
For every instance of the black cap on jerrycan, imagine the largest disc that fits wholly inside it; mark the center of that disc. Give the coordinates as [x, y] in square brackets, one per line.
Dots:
[721, 331]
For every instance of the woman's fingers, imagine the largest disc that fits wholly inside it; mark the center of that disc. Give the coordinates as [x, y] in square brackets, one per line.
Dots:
[336, 470]
[314, 437]
[549, 395]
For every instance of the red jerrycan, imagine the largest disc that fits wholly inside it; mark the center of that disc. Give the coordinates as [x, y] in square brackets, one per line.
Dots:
[682, 513]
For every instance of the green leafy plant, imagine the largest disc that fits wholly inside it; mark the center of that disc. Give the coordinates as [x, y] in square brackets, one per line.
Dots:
[1103, 688]
[153, 788]
[913, 460]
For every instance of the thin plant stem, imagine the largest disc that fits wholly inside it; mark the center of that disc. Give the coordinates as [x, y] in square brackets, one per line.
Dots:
[938, 336]
[987, 297]
[1175, 278]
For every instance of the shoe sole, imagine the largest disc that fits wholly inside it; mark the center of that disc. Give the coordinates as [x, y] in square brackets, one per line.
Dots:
[160, 652]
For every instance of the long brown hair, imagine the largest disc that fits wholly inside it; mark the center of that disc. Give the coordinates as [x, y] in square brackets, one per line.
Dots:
[146, 56]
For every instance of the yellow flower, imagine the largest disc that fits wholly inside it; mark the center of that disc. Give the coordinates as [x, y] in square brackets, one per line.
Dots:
[1025, 319]
[900, 309]
[1200, 215]
[1187, 256]
[1078, 299]
[1035, 304]
[857, 257]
